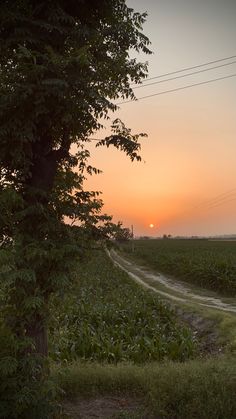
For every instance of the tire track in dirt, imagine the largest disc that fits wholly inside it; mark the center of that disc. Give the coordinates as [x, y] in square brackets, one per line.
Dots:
[170, 288]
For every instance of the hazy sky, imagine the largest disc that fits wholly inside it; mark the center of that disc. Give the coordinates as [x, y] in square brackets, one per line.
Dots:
[186, 185]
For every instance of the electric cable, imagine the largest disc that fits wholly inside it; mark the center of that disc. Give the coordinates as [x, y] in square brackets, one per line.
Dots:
[184, 75]
[187, 68]
[177, 89]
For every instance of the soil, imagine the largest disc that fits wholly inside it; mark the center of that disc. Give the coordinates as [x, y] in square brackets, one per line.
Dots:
[204, 332]
[106, 407]
[172, 288]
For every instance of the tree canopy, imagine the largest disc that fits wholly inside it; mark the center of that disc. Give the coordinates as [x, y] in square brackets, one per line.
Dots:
[62, 65]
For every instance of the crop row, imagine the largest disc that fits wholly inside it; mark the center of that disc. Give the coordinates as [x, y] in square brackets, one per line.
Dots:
[209, 264]
[106, 317]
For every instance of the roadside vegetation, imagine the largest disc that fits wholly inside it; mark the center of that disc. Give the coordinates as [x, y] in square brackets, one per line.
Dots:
[208, 264]
[196, 389]
[111, 338]
[106, 317]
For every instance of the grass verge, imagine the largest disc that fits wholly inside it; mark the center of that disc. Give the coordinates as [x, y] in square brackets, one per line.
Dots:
[223, 323]
[195, 389]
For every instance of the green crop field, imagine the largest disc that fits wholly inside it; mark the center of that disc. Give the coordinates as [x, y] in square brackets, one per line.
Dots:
[107, 317]
[209, 264]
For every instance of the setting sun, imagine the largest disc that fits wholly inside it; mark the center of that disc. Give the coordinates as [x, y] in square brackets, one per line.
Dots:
[180, 175]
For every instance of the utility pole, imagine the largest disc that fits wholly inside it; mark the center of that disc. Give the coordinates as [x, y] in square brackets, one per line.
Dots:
[132, 232]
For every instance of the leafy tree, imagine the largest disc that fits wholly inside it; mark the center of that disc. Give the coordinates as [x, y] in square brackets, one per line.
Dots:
[117, 232]
[62, 63]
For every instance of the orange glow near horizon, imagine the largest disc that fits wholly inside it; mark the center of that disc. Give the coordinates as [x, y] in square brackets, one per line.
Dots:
[183, 184]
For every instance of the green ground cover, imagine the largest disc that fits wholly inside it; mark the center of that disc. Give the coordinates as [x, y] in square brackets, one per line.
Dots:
[198, 389]
[209, 264]
[106, 329]
[108, 336]
[106, 317]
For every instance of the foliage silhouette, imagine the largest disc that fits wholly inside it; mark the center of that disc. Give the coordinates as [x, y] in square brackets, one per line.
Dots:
[62, 63]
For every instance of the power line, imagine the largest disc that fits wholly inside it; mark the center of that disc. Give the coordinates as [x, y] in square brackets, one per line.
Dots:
[184, 75]
[216, 201]
[216, 205]
[188, 68]
[217, 198]
[177, 89]
[221, 203]
[170, 91]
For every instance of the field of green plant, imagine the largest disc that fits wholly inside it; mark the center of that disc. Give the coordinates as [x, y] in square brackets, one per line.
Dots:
[106, 317]
[209, 264]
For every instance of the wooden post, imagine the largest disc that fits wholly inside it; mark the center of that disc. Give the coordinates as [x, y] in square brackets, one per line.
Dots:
[132, 231]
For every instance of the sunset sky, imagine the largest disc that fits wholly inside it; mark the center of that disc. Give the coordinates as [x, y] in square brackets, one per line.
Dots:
[187, 182]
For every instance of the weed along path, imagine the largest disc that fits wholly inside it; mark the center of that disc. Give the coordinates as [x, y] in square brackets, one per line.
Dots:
[211, 317]
[173, 289]
[195, 331]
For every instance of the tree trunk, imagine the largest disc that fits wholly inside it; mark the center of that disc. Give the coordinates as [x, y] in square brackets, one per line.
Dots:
[37, 191]
[37, 331]
[42, 176]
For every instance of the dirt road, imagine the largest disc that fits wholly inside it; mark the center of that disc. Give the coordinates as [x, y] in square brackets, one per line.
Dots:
[171, 288]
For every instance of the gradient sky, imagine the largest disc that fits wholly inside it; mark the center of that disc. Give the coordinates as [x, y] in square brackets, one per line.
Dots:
[190, 153]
